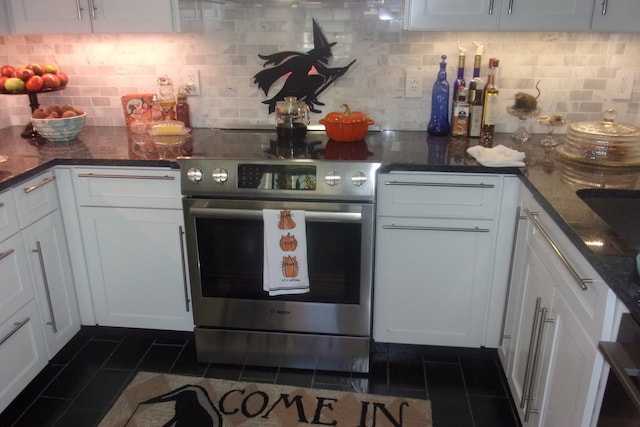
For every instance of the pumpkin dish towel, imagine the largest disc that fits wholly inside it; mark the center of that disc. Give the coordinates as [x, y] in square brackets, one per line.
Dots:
[285, 252]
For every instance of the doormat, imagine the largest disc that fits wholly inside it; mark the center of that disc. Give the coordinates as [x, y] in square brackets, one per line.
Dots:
[170, 400]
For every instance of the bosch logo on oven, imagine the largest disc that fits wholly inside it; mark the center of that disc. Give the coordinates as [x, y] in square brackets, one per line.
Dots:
[273, 311]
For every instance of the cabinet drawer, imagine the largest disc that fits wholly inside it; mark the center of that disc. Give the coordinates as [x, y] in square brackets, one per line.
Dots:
[22, 352]
[122, 187]
[8, 216]
[36, 198]
[439, 195]
[16, 287]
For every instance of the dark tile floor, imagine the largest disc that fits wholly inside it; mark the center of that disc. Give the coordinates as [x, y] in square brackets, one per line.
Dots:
[466, 386]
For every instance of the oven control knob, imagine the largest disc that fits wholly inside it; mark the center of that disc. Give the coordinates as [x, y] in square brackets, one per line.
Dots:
[332, 178]
[359, 179]
[220, 175]
[194, 174]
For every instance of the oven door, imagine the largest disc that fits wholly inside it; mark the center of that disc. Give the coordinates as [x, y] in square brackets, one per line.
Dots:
[225, 253]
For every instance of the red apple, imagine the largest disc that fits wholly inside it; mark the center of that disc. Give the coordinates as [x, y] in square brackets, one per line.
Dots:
[50, 81]
[38, 69]
[23, 73]
[64, 78]
[7, 71]
[14, 84]
[35, 83]
[50, 68]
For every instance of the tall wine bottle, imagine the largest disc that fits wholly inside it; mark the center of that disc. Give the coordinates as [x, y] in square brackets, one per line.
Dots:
[475, 98]
[459, 81]
[490, 112]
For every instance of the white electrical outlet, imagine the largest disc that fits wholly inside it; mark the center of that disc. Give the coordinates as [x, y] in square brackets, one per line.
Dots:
[623, 85]
[191, 78]
[414, 83]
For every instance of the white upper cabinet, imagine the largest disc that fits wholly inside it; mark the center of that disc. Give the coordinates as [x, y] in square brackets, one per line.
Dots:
[521, 15]
[616, 16]
[545, 15]
[98, 16]
[445, 15]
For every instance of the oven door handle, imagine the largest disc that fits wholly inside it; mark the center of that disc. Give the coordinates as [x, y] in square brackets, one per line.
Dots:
[312, 216]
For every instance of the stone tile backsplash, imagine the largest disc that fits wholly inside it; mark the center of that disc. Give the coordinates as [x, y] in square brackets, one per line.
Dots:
[576, 70]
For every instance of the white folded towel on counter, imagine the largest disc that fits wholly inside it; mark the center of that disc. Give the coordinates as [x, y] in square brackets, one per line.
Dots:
[497, 156]
[285, 252]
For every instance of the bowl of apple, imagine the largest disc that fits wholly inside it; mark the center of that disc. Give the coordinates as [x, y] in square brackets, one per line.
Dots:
[59, 123]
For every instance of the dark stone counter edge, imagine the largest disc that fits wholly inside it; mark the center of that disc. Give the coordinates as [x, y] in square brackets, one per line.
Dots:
[619, 272]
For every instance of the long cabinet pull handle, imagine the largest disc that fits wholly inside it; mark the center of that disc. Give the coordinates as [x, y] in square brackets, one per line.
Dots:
[118, 176]
[530, 355]
[79, 9]
[184, 268]
[16, 328]
[605, 4]
[439, 184]
[93, 9]
[414, 228]
[510, 7]
[40, 184]
[38, 250]
[582, 282]
[3, 255]
[534, 368]
[490, 7]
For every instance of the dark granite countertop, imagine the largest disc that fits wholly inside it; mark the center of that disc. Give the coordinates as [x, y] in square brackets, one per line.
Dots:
[552, 180]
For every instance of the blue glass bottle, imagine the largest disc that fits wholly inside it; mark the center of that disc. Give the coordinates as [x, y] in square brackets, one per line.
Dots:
[439, 123]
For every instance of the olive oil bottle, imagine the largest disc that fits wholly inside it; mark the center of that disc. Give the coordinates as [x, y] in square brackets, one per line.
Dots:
[475, 97]
[490, 110]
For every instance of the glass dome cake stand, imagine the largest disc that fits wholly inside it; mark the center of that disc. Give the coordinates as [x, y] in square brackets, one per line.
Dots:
[521, 135]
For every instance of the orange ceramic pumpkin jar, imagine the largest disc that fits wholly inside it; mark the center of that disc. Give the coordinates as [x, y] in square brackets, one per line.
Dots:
[349, 126]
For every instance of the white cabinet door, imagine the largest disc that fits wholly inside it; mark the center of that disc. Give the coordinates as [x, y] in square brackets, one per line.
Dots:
[45, 16]
[546, 15]
[492, 15]
[98, 16]
[22, 352]
[448, 15]
[50, 267]
[433, 280]
[16, 288]
[135, 263]
[616, 16]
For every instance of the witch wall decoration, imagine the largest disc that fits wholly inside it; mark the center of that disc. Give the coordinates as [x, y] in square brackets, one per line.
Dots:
[307, 74]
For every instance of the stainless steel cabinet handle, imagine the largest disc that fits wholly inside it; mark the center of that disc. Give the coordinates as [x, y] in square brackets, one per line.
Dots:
[490, 7]
[117, 176]
[439, 184]
[79, 9]
[184, 267]
[510, 7]
[581, 281]
[1, 204]
[534, 366]
[605, 4]
[3, 255]
[17, 327]
[93, 9]
[35, 187]
[530, 355]
[417, 228]
[38, 250]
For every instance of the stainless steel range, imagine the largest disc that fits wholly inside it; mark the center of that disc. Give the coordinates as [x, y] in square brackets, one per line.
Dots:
[237, 321]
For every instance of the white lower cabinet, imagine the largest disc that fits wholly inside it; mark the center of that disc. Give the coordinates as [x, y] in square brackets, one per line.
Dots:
[22, 352]
[441, 241]
[51, 272]
[558, 309]
[132, 230]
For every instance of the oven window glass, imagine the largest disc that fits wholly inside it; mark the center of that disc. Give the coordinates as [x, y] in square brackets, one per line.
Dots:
[231, 251]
